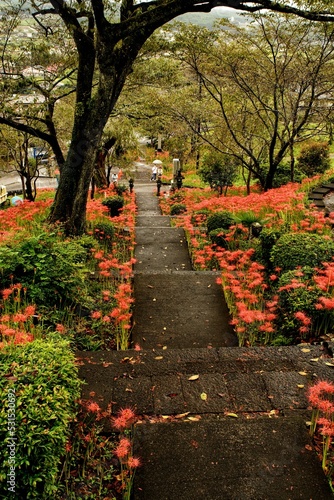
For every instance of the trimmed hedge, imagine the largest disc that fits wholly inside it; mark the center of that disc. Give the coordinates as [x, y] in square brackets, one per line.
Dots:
[114, 205]
[220, 220]
[39, 387]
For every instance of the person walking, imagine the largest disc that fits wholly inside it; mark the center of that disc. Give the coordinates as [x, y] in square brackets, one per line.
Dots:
[154, 173]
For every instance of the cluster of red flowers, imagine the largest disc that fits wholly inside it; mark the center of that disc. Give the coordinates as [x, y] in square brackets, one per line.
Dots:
[16, 327]
[252, 296]
[15, 219]
[320, 397]
[244, 285]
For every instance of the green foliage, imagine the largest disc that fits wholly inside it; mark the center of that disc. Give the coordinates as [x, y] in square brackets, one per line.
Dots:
[178, 208]
[218, 237]
[114, 204]
[301, 249]
[283, 175]
[297, 293]
[314, 158]
[39, 387]
[220, 220]
[218, 169]
[121, 189]
[268, 238]
[51, 270]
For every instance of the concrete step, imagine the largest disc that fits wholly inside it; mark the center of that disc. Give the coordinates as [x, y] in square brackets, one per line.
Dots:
[180, 309]
[228, 459]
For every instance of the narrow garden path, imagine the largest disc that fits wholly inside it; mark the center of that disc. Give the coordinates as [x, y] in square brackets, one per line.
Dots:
[217, 422]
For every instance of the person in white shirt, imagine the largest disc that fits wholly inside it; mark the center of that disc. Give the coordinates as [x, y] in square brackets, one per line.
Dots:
[154, 173]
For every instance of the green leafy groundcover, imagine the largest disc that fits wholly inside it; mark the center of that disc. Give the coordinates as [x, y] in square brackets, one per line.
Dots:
[39, 387]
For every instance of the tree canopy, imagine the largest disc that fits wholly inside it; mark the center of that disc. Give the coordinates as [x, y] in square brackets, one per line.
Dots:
[107, 37]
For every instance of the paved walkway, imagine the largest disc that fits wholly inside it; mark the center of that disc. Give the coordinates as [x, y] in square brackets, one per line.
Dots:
[217, 422]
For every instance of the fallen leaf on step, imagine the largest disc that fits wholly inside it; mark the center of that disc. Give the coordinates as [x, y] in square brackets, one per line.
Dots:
[159, 357]
[204, 396]
[234, 415]
[194, 377]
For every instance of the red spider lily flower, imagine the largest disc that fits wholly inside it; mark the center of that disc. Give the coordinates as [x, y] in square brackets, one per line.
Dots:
[60, 328]
[93, 407]
[303, 318]
[316, 393]
[20, 318]
[68, 447]
[6, 293]
[123, 448]
[127, 413]
[326, 303]
[133, 462]
[9, 332]
[23, 338]
[30, 310]
[96, 315]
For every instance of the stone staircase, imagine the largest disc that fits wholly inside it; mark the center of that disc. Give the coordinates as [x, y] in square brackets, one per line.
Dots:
[216, 422]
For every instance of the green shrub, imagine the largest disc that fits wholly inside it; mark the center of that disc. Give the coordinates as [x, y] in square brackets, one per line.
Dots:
[298, 293]
[283, 175]
[39, 387]
[104, 232]
[50, 269]
[301, 249]
[120, 189]
[218, 169]
[314, 158]
[178, 208]
[114, 204]
[268, 237]
[218, 237]
[219, 220]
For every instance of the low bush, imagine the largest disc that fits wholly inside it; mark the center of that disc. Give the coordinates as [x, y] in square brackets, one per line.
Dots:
[219, 220]
[178, 209]
[50, 269]
[301, 249]
[298, 316]
[314, 158]
[114, 205]
[39, 388]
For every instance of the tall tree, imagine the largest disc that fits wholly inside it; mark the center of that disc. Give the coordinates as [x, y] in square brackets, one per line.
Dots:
[110, 47]
[35, 75]
[269, 81]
